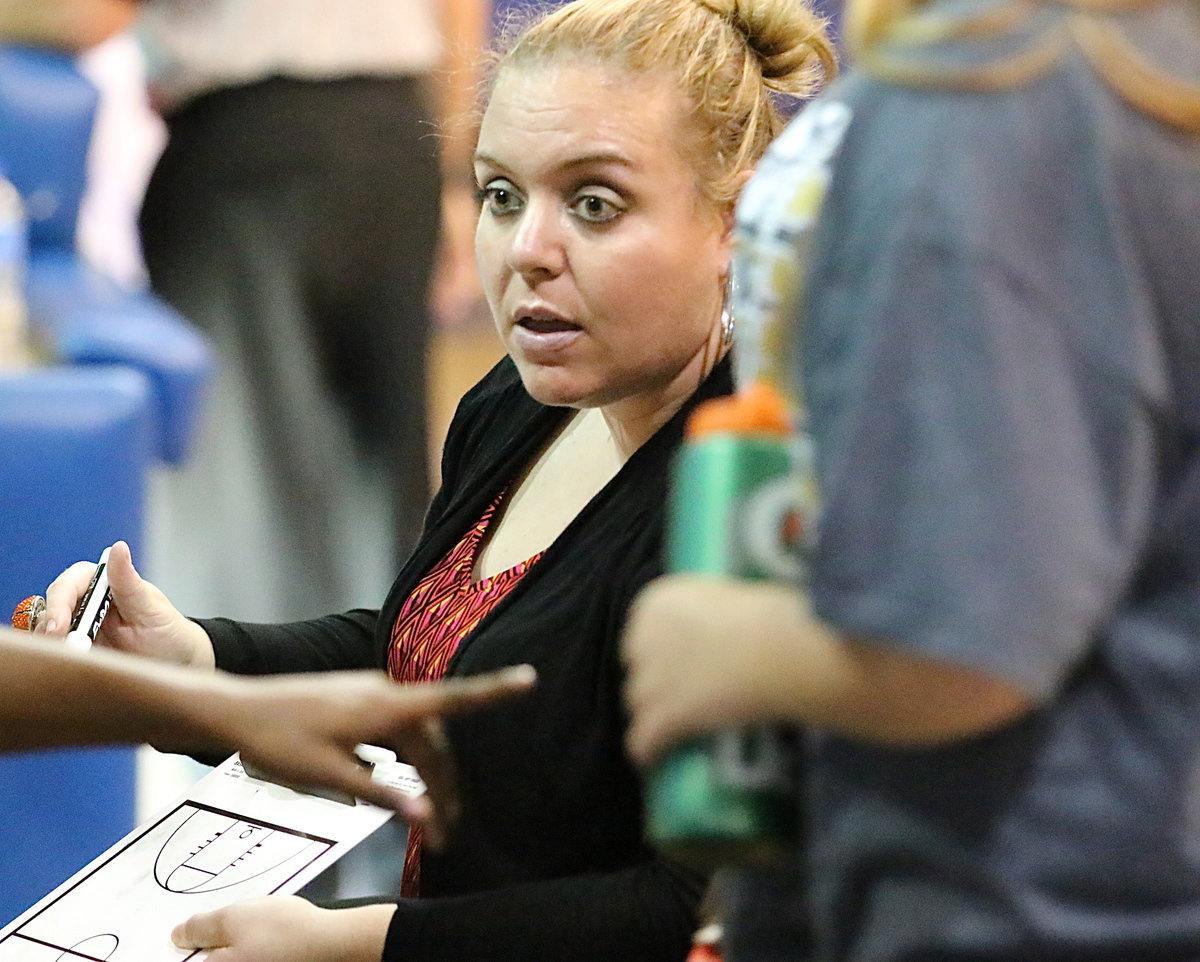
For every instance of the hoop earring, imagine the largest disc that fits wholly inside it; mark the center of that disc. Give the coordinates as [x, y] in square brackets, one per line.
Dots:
[727, 321]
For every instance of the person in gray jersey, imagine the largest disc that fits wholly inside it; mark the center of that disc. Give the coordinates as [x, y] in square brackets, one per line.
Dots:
[984, 243]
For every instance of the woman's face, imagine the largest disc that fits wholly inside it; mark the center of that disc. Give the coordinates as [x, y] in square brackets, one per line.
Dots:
[602, 262]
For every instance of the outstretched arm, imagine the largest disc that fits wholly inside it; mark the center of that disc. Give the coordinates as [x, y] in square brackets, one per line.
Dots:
[301, 729]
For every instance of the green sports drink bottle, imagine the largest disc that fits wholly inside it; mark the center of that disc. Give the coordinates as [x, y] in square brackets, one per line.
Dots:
[732, 798]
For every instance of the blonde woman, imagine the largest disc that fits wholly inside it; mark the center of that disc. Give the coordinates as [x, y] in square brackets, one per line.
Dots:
[615, 139]
[984, 243]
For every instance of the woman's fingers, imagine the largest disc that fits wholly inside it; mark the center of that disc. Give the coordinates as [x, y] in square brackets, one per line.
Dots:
[278, 928]
[62, 596]
[203, 931]
[65, 592]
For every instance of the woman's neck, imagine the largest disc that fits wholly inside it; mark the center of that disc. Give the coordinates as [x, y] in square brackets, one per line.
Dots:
[572, 470]
[633, 421]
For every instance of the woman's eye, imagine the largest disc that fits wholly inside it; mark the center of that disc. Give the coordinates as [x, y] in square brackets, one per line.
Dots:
[595, 209]
[499, 197]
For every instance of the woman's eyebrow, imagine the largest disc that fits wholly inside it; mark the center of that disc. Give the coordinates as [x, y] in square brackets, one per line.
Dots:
[595, 158]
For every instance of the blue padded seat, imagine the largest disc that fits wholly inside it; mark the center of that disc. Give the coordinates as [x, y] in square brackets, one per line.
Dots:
[47, 112]
[89, 319]
[78, 443]
[47, 115]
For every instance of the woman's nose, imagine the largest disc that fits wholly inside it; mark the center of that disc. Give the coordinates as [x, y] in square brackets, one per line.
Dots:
[537, 244]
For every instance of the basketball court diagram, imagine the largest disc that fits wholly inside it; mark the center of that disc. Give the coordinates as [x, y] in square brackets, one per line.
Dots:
[194, 859]
[233, 836]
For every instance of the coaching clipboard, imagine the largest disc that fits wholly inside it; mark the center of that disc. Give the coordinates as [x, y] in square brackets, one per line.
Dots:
[231, 837]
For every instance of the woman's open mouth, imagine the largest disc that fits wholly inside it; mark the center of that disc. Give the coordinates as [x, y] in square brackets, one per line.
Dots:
[543, 335]
[545, 325]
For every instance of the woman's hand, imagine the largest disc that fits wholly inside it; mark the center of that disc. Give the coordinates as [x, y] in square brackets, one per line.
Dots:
[287, 929]
[141, 620]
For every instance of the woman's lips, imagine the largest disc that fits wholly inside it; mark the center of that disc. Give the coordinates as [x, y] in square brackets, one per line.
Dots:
[534, 335]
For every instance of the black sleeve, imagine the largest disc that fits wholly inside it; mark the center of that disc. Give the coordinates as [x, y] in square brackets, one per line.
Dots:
[642, 914]
[332, 643]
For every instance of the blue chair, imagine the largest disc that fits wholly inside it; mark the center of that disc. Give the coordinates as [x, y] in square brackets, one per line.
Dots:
[79, 441]
[47, 114]
[78, 444]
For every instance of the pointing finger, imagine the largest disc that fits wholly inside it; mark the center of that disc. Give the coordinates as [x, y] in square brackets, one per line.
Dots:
[456, 695]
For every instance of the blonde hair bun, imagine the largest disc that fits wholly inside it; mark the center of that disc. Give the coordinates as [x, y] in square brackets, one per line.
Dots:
[781, 34]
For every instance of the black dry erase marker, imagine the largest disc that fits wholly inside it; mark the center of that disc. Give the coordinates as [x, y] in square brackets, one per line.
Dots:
[93, 606]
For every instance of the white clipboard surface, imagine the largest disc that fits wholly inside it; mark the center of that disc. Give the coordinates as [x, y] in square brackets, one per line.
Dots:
[231, 837]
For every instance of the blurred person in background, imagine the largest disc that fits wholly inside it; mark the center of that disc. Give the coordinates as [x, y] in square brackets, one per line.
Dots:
[315, 182]
[316, 177]
[983, 243]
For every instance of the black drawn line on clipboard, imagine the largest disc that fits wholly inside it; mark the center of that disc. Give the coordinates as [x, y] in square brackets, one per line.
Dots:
[75, 949]
[254, 821]
[252, 840]
[58, 948]
[187, 803]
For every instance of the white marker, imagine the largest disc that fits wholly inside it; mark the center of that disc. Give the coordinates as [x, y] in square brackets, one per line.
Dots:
[93, 606]
[369, 756]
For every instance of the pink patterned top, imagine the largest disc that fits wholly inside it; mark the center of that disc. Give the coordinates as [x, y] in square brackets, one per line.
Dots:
[444, 608]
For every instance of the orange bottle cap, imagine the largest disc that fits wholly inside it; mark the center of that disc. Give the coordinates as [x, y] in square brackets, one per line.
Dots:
[756, 409]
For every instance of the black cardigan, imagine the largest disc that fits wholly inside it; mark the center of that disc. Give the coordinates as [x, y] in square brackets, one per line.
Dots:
[548, 861]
